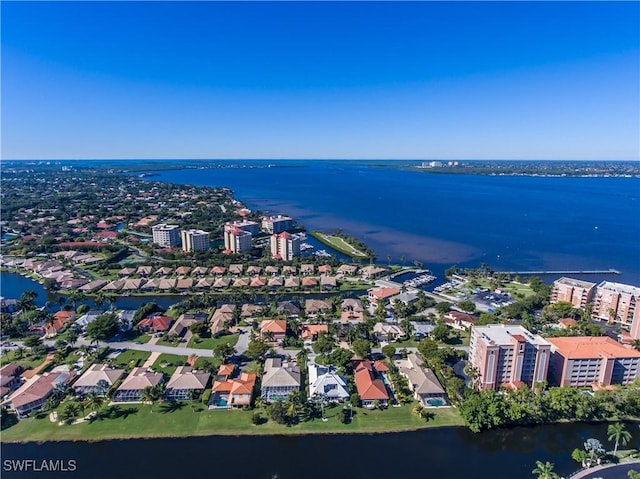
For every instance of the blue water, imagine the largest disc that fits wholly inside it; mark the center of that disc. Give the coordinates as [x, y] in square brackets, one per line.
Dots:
[509, 222]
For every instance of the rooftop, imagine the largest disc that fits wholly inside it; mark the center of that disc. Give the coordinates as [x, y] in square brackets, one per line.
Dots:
[581, 347]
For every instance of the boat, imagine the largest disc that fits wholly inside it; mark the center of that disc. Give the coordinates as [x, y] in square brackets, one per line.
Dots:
[321, 253]
[305, 247]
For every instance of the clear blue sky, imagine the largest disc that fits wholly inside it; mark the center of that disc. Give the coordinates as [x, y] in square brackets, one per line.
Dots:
[447, 80]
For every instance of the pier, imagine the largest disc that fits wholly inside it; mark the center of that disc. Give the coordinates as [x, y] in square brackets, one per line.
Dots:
[593, 271]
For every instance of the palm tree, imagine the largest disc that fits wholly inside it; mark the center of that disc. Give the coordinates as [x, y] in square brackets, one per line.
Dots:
[545, 470]
[636, 344]
[151, 394]
[618, 433]
[93, 402]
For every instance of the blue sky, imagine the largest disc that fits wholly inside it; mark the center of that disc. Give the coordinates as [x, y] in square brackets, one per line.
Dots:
[415, 80]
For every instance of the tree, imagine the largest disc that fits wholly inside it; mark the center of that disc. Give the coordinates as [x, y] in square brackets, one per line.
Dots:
[443, 307]
[618, 433]
[257, 349]
[361, 347]
[26, 302]
[467, 306]
[93, 402]
[75, 296]
[441, 331]
[545, 470]
[389, 351]
[151, 394]
[102, 328]
[594, 448]
[69, 412]
[223, 351]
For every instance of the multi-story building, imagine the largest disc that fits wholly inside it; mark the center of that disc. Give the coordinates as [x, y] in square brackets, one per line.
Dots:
[195, 240]
[574, 291]
[587, 361]
[247, 225]
[618, 303]
[276, 224]
[165, 235]
[285, 246]
[236, 240]
[507, 355]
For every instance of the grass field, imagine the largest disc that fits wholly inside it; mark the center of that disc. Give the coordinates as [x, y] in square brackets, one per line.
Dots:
[209, 343]
[131, 357]
[136, 420]
[167, 363]
[339, 244]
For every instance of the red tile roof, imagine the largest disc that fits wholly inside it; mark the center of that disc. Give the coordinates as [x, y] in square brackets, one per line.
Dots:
[369, 388]
[157, 323]
[584, 347]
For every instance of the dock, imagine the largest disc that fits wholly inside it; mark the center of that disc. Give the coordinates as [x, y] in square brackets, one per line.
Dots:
[593, 271]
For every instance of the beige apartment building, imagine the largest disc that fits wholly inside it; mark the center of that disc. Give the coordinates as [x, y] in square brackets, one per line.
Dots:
[194, 240]
[618, 303]
[591, 361]
[166, 235]
[507, 355]
[573, 291]
[277, 224]
[285, 246]
[236, 240]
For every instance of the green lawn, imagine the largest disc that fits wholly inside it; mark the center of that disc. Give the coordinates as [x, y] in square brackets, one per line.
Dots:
[209, 343]
[167, 363]
[27, 361]
[132, 358]
[140, 421]
[339, 244]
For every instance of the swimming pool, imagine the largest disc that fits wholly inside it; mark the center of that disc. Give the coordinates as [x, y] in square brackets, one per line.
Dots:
[435, 402]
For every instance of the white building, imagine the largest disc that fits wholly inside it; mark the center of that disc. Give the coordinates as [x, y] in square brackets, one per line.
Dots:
[276, 224]
[195, 240]
[250, 226]
[324, 382]
[166, 235]
[236, 240]
[285, 246]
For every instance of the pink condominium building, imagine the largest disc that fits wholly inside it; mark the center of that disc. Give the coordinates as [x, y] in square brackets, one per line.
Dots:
[618, 303]
[506, 355]
[573, 291]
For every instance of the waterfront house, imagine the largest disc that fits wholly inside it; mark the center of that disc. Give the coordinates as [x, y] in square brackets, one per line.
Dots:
[328, 281]
[133, 284]
[371, 271]
[292, 282]
[221, 317]
[220, 283]
[92, 286]
[155, 324]
[241, 282]
[280, 378]
[33, 394]
[98, 379]
[276, 282]
[9, 378]
[317, 306]
[113, 286]
[184, 322]
[131, 388]
[273, 330]
[60, 320]
[290, 308]
[227, 393]
[423, 383]
[185, 382]
[251, 310]
[324, 382]
[369, 385]
[382, 295]
[258, 282]
[347, 269]
[184, 284]
[205, 283]
[309, 282]
[407, 297]
[324, 269]
[85, 319]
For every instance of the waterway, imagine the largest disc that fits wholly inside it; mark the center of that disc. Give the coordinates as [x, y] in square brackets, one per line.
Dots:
[430, 454]
[513, 223]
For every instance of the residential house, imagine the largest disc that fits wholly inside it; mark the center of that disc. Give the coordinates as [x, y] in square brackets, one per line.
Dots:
[310, 332]
[185, 383]
[273, 330]
[325, 383]
[221, 317]
[125, 319]
[184, 322]
[352, 310]
[280, 378]
[227, 393]
[85, 319]
[421, 329]
[382, 295]
[370, 387]
[347, 270]
[9, 378]
[131, 388]
[459, 320]
[317, 306]
[386, 332]
[423, 383]
[98, 379]
[33, 394]
[155, 324]
[290, 308]
[371, 271]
